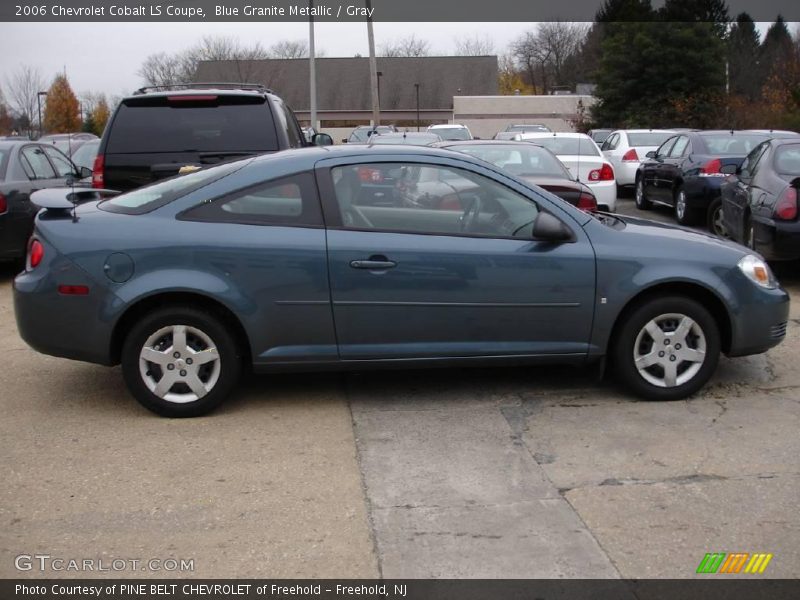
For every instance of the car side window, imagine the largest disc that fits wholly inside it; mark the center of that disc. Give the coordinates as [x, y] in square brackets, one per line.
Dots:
[611, 143]
[664, 149]
[287, 122]
[679, 148]
[61, 163]
[286, 201]
[750, 164]
[40, 167]
[429, 199]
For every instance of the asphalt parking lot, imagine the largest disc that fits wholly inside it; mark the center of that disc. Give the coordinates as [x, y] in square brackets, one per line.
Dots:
[456, 473]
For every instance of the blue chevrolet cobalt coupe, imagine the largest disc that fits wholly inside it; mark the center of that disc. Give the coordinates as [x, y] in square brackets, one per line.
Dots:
[354, 257]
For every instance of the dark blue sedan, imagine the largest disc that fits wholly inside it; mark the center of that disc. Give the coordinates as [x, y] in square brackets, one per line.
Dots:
[283, 262]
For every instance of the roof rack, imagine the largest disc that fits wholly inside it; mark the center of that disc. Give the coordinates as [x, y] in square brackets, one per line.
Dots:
[203, 86]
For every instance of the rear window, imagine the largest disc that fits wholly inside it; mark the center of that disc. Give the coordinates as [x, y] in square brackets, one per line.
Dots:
[567, 146]
[157, 125]
[451, 133]
[726, 143]
[648, 139]
[151, 197]
[3, 162]
[787, 160]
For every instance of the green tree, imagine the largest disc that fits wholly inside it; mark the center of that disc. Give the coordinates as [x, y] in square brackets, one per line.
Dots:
[777, 49]
[744, 76]
[61, 109]
[88, 124]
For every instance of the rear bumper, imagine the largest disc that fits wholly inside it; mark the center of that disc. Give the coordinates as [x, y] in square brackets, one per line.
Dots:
[702, 191]
[626, 172]
[605, 192]
[777, 240]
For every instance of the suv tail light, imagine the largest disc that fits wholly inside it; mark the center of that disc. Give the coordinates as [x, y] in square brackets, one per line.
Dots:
[711, 169]
[630, 156]
[786, 207]
[193, 98]
[604, 173]
[35, 253]
[3, 204]
[98, 176]
[587, 202]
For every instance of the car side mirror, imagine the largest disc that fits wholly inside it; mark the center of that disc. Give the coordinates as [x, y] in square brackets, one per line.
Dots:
[321, 139]
[84, 172]
[651, 154]
[475, 137]
[548, 228]
[344, 140]
[730, 169]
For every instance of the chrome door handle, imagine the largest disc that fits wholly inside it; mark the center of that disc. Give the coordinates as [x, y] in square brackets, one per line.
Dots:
[373, 265]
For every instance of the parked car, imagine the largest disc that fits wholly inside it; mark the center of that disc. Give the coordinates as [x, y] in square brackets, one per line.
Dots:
[159, 130]
[362, 133]
[625, 148]
[527, 128]
[68, 143]
[267, 262]
[410, 138]
[759, 202]
[686, 172]
[584, 160]
[85, 155]
[26, 167]
[599, 135]
[531, 163]
[451, 132]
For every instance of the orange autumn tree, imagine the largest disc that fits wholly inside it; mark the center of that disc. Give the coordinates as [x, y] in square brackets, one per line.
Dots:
[100, 116]
[61, 109]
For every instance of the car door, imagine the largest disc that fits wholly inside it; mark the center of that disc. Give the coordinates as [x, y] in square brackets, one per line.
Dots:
[451, 278]
[737, 194]
[650, 170]
[671, 168]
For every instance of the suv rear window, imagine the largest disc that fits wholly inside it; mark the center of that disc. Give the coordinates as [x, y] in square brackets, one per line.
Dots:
[222, 123]
[151, 197]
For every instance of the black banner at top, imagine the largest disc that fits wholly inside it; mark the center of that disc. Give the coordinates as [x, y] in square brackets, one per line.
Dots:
[342, 10]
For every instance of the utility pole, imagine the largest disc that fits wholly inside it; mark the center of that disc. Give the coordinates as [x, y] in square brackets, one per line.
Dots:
[312, 67]
[416, 86]
[373, 69]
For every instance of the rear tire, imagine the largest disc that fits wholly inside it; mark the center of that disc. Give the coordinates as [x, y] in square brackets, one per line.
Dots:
[684, 215]
[667, 348]
[640, 196]
[180, 362]
[716, 220]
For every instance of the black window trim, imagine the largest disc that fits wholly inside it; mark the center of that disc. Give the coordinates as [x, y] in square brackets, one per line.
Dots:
[47, 158]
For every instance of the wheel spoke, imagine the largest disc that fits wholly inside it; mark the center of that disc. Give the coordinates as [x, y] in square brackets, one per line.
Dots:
[165, 384]
[179, 338]
[155, 356]
[692, 355]
[647, 360]
[194, 383]
[205, 356]
[671, 373]
[655, 332]
[682, 330]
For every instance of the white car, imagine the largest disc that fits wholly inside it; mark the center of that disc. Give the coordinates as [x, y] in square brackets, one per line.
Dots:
[452, 131]
[625, 149]
[581, 155]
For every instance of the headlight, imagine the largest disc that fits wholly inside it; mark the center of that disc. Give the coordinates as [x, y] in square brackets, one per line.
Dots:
[758, 271]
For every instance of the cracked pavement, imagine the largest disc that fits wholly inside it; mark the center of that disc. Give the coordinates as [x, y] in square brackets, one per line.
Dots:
[513, 473]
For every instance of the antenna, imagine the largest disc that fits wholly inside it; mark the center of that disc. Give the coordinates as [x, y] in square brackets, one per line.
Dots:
[578, 169]
[72, 178]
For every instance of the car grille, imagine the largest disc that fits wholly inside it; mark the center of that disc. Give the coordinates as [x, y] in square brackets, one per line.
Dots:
[778, 331]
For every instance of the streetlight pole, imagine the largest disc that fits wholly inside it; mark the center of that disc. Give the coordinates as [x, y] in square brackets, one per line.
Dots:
[416, 86]
[39, 104]
[312, 67]
[373, 69]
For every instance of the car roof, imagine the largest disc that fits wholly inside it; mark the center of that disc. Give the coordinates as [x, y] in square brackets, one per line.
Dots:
[447, 143]
[199, 89]
[646, 130]
[11, 143]
[448, 125]
[546, 134]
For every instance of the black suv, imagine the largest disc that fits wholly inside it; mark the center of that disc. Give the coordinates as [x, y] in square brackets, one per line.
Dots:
[159, 130]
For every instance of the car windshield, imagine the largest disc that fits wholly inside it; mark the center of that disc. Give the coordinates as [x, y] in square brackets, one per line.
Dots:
[787, 160]
[568, 146]
[412, 139]
[519, 159]
[649, 138]
[737, 143]
[151, 197]
[84, 156]
[452, 133]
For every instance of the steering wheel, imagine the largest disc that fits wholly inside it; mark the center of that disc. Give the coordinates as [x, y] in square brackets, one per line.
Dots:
[470, 215]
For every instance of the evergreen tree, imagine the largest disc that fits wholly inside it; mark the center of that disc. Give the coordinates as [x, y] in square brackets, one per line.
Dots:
[61, 109]
[744, 76]
[777, 49]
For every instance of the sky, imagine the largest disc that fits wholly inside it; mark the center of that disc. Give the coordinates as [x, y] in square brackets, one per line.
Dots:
[104, 57]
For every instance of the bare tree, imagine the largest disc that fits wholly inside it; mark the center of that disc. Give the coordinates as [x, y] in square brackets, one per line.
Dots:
[22, 87]
[289, 49]
[161, 69]
[542, 53]
[474, 45]
[408, 46]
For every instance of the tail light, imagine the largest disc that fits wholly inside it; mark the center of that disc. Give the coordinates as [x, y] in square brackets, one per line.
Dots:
[3, 204]
[587, 202]
[35, 253]
[786, 207]
[98, 176]
[604, 173]
[630, 156]
[193, 98]
[368, 175]
[711, 169]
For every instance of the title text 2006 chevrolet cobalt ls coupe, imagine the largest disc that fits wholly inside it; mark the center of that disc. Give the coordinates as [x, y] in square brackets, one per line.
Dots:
[352, 257]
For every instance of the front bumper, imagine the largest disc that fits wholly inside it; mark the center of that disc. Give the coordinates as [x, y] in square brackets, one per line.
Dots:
[760, 322]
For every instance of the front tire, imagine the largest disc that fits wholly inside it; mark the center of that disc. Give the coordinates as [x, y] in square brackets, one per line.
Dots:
[640, 196]
[716, 220]
[180, 362]
[667, 348]
[684, 215]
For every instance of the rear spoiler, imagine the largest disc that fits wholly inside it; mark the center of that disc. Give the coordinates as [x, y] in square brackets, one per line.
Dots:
[68, 198]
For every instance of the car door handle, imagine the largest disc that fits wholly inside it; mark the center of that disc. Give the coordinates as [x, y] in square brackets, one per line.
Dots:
[373, 264]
